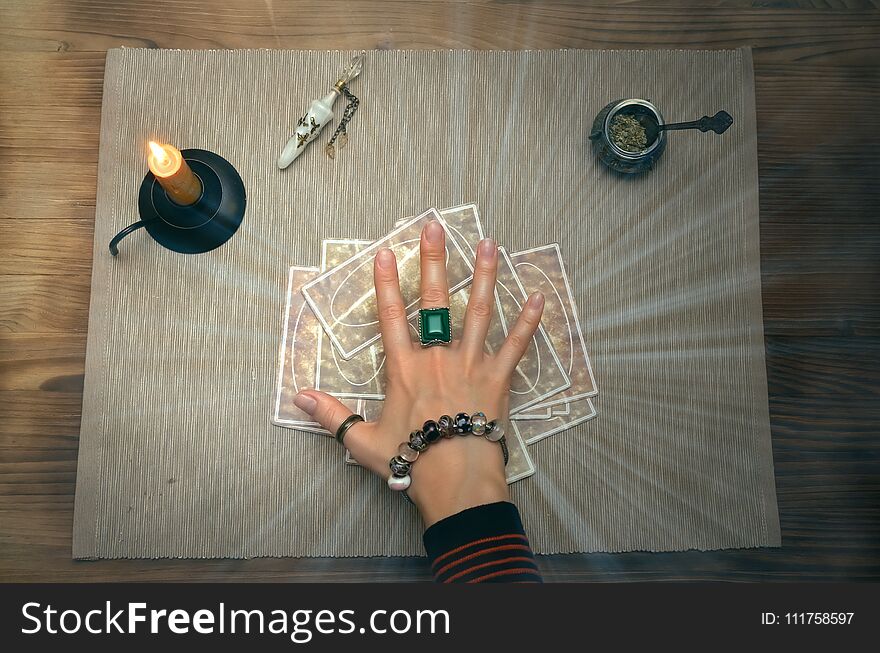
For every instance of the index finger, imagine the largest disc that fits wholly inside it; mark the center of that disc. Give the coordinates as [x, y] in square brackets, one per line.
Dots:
[393, 324]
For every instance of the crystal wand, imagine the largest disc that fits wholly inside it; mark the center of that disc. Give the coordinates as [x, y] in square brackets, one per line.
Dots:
[320, 113]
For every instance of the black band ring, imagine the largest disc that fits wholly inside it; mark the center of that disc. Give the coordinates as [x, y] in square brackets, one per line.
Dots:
[350, 421]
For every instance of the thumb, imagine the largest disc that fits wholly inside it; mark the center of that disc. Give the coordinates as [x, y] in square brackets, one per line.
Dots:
[328, 411]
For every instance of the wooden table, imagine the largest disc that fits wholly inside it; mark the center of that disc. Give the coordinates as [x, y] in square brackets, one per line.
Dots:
[818, 90]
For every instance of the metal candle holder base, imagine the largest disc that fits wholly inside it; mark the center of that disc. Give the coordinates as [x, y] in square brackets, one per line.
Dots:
[199, 227]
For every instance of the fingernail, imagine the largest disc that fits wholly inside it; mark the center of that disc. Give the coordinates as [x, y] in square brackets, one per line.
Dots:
[536, 300]
[305, 402]
[486, 247]
[385, 258]
[433, 232]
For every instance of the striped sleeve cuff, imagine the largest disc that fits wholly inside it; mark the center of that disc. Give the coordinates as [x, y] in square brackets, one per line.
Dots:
[484, 544]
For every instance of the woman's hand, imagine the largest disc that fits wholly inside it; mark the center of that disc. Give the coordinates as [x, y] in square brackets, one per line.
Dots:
[424, 383]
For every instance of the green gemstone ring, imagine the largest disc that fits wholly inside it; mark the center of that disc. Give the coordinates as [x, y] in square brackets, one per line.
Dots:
[434, 328]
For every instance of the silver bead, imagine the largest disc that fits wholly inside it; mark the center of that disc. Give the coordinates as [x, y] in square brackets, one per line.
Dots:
[478, 423]
[399, 483]
[417, 441]
[496, 433]
[447, 427]
[407, 453]
[399, 467]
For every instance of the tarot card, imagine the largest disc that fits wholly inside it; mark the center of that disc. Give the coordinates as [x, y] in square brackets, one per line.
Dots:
[464, 226]
[532, 431]
[344, 298]
[349, 459]
[371, 409]
[519, 463]
[543, 412]
[534, 413]
[361, 375]
[540, 374]
[560, 409]
[297, 355]
[542, 268]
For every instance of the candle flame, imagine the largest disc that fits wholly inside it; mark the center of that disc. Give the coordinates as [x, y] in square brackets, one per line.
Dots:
[160, 154]
[164, 160]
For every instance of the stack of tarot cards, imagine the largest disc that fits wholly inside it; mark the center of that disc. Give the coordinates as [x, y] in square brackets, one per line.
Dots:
[330, 335]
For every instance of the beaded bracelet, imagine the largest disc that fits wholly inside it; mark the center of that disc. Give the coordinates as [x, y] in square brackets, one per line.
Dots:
[431, 432]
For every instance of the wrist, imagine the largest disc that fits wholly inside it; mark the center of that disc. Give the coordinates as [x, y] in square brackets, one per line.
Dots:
[449, 480]
[436, 508]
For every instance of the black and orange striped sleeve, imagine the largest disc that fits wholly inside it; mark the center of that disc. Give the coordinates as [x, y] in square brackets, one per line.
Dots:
[484, 544]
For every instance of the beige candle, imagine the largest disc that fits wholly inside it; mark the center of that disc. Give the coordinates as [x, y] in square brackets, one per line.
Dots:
[175, 175]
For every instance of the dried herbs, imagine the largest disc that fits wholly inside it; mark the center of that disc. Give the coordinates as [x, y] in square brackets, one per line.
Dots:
[628, 133]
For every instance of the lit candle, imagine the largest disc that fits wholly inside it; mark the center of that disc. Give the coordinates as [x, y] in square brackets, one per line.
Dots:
[177, 178]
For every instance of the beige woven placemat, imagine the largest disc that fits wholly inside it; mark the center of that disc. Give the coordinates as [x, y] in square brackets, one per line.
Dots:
[177, 455]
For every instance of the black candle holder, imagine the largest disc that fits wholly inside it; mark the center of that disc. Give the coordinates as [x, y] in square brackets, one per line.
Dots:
[201, 226]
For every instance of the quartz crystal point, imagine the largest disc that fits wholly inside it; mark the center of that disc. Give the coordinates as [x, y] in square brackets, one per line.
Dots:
[320, 113]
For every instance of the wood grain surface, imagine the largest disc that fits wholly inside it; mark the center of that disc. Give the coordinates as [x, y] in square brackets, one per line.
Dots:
[818, 89]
